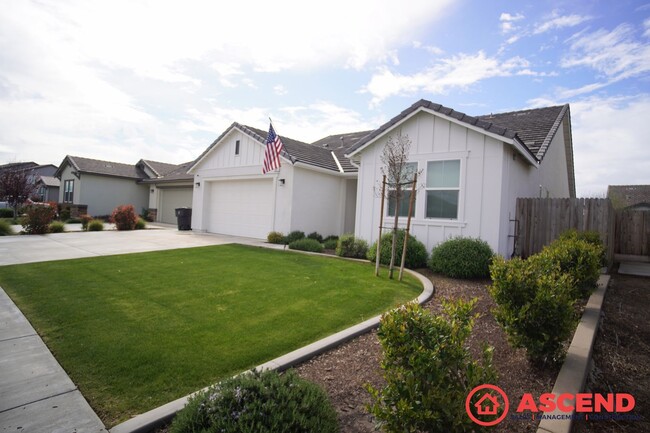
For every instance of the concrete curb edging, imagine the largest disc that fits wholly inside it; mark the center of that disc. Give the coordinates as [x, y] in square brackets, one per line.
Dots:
[573, 374]
[156, 417]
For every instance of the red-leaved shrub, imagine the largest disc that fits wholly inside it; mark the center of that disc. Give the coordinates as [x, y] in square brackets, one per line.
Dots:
[124, 217]
[38, 218]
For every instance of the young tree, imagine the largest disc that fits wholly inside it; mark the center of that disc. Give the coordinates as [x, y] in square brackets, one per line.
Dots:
[15, 188]
[399, 176]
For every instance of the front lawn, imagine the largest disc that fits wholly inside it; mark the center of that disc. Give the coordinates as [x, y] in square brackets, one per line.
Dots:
[136, 331]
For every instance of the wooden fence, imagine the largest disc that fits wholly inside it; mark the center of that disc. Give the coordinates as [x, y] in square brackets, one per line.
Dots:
[633, 233]
[541, 220]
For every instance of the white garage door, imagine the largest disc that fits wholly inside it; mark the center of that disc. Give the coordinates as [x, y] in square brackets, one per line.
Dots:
[172, 198]
[241, 208]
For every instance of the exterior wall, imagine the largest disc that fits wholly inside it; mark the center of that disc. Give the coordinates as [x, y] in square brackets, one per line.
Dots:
[102, 194]
[66, 174]
[160, 195]
[435, 138]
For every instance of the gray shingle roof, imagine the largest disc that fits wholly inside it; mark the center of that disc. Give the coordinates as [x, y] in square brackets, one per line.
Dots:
[96, 166]
[173, 173]
[50, 181]
[623, 196]
[160, 168]
[534, 128]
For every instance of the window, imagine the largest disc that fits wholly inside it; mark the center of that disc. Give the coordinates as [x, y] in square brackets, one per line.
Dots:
[443, 188]
[68, 191]
[411, 168]
[237, 147]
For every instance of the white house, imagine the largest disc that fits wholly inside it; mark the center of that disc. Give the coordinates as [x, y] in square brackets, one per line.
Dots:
[472, 170]
[314, 190]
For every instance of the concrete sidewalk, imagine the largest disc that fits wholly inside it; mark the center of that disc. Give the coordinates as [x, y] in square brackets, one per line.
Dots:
[36, 394]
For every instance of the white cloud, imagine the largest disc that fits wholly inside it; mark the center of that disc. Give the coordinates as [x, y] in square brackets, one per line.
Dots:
[428, 48]
[279, 90]
[558, 22]
[460, 71]
[646, 25]
[508, 20]
[615, 54]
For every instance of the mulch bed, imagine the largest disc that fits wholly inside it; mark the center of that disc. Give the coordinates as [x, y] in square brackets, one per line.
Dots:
[344, 371]
[621, 356]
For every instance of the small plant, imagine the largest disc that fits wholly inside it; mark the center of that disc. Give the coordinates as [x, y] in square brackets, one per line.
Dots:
[95, 225]
[124, 217]
[57, 227]
[64, 215]
[330, 242]
[38, 218]
[307, 244]
[6, 213]
[147, 215]
[428, 369]
[462, 258]
[141, 224]
[535, 306]
[85, 219]
[275, 238]
[5, 228]
[416, 252]
[316, 236]
[349, 246]
[294, 236]
[263, 402]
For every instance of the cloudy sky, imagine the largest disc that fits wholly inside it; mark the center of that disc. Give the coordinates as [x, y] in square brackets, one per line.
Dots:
[124, 80]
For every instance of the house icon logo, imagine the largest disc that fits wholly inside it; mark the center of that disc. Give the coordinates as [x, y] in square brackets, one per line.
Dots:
[487, 405]
[492, 402]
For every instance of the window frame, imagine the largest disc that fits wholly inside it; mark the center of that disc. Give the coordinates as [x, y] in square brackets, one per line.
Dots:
[406, 193]
[237, 147]
[457, 188]
[68, 195]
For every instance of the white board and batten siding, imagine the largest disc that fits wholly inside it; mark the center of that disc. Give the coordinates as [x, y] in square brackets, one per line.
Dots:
[480, 199]
[235, 198]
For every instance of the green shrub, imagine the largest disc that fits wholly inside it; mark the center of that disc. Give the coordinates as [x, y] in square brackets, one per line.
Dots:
[95, 225]
[577, 258]
[141, 224]
[124, 217]
[37, 219]
[462, 258]
[349, 246]
[592, 237]
[264, 402]
[294, 236]
[57, 227]
[6, 213]
[316, 236]
[5, 228]
[85, 219]
[307, 244]
[416, 252]
[275, 238]
[535, 306]
[428, 369]
[330, 242]
[65, 214]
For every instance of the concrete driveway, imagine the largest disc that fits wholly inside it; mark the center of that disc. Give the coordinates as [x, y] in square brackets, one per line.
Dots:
[59, 246]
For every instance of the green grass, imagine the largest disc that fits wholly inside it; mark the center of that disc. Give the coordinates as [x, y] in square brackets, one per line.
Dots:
[139, 330]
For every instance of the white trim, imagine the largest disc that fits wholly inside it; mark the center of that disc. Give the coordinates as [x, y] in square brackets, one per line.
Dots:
[338, 164]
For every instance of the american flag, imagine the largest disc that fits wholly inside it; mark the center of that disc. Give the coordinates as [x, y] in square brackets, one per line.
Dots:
[272, 153]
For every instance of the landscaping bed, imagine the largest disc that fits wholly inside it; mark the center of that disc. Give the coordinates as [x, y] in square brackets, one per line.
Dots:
[344, 371]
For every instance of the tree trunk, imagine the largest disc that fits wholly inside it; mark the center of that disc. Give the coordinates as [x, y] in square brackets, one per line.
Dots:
[393, 248]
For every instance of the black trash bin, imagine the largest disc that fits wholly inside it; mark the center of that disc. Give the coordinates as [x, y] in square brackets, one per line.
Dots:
[184, 218]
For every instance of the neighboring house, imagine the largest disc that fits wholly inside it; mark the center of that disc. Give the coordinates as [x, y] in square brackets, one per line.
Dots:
[39, 175]
[633, 197]
[170, 187]
[47, 188]
[472, 170]
[314, 190]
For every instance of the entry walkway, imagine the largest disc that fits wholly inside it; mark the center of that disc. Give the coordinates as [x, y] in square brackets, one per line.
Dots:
[36, 394]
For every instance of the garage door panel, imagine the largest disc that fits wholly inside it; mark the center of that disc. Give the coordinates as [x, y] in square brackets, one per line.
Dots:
[241, 208]
[172, 198]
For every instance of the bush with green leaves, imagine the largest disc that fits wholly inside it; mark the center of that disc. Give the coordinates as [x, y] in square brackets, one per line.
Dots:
[462, 257]
[85, 219]
[316, 236]
[428, 369]
[578, 258]
[5, 228]
[294, 236]
[265, 402]
[349, 246]
[141, 224]
[6, 213]
[275, 238]
[124, 217]
[307, 244]
[330, 242]
[37, 219]
[416, 252]
[95, 225]
[57, 227]
[535, 306]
